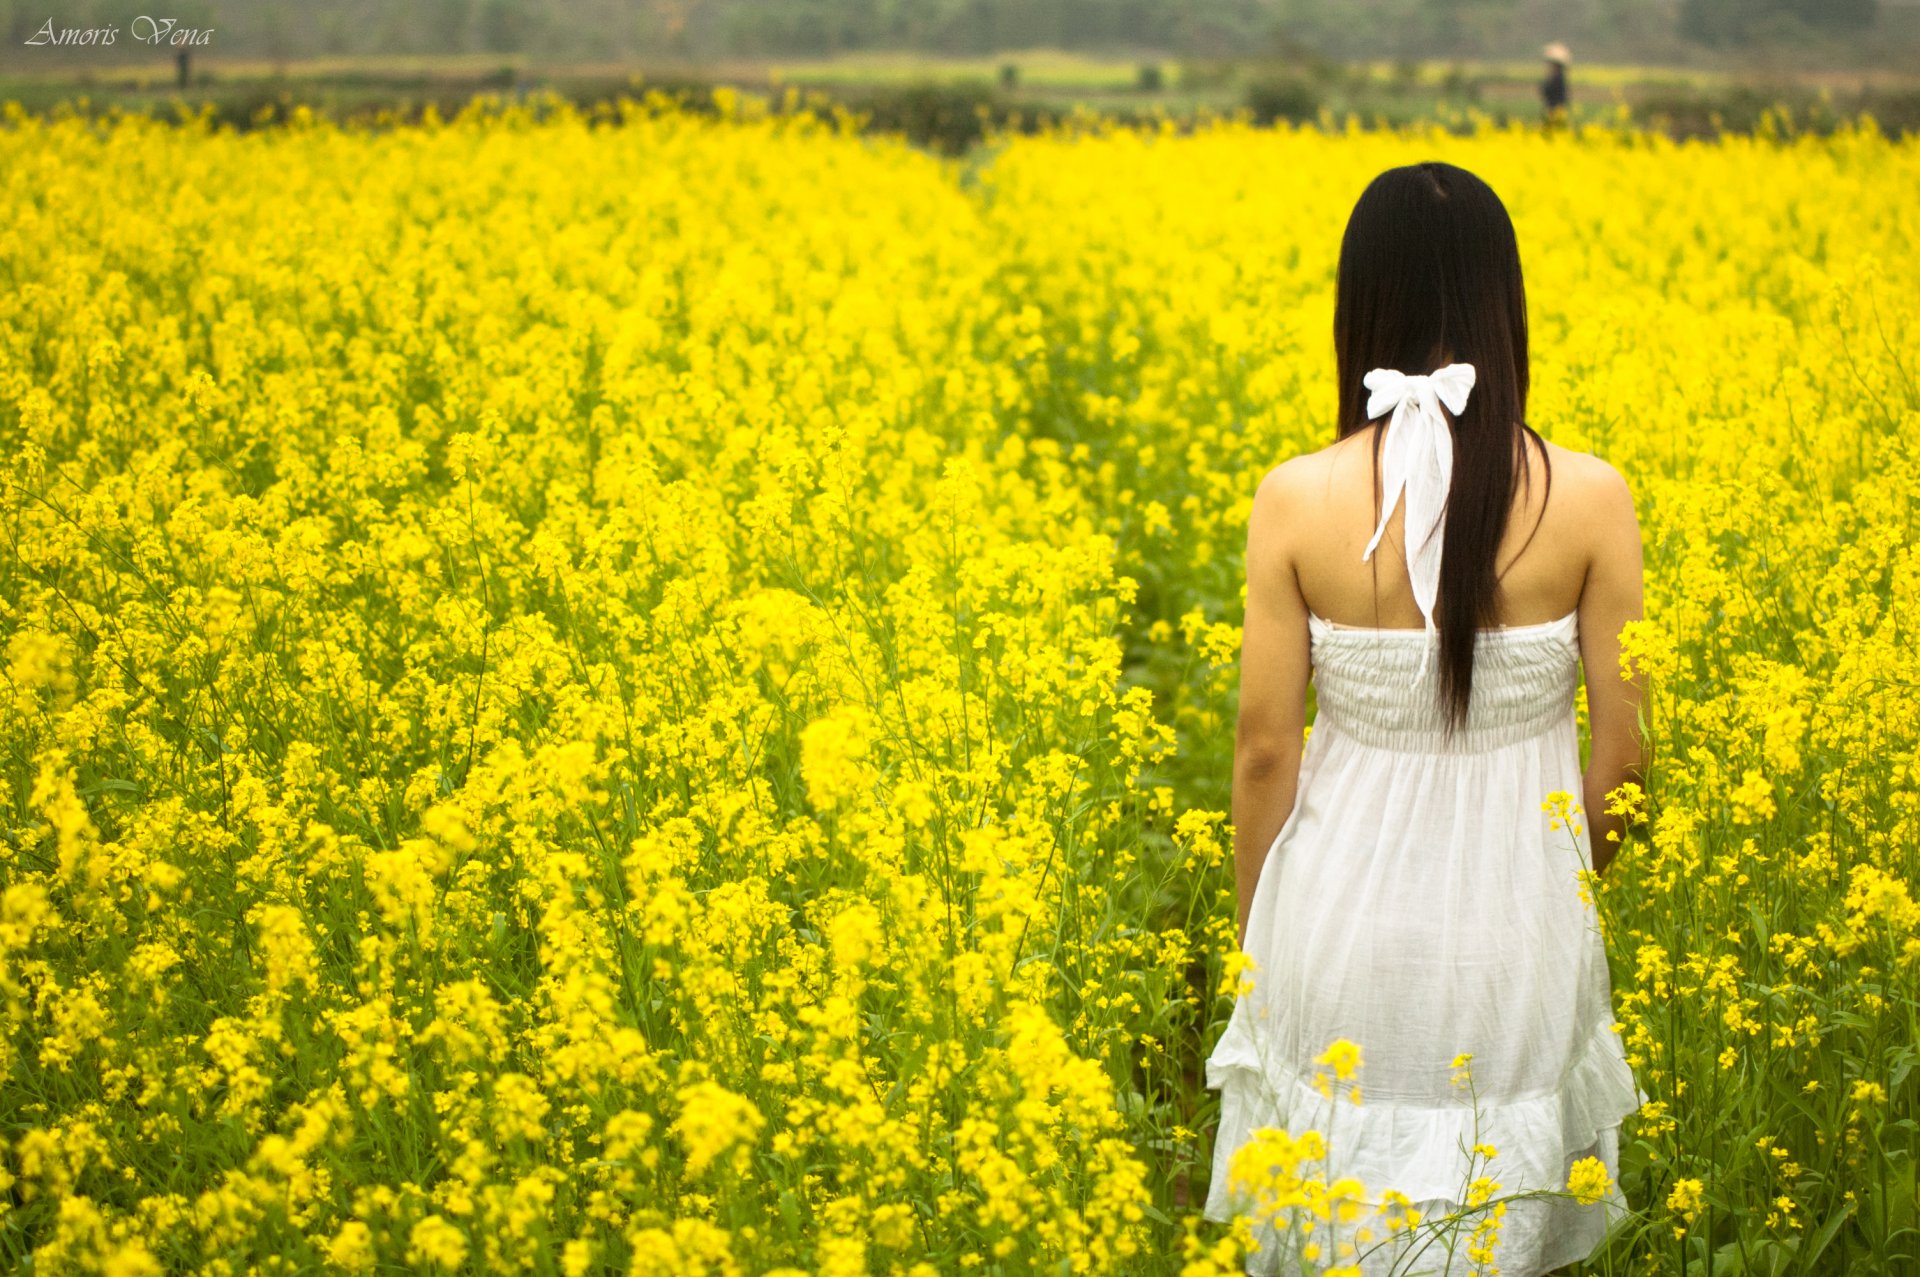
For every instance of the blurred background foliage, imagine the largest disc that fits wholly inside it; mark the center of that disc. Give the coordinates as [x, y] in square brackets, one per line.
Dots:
[1833, 33]
[942, 72]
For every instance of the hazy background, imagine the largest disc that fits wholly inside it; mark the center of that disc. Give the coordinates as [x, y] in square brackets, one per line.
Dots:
[942, 73]
[1809, 33]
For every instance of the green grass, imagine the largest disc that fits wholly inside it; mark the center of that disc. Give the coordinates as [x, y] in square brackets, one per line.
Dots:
[1038, 68]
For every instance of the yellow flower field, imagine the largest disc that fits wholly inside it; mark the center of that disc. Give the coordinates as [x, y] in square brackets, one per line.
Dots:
[625, 691]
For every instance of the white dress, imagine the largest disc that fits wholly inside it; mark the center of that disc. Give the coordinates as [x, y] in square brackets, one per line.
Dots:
[1417, 903]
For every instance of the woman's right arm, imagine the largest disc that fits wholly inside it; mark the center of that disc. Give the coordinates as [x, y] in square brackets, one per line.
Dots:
[1611, 598]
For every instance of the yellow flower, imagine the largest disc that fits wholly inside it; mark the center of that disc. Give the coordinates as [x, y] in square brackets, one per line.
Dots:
[1685, 1198]
[714, 1121]
[835, 756]
[1343, 1057]
[434, 1240]
[351, 1247]
[133, 1259]
[856, 936]
[576, 1257]
[1589, 1180]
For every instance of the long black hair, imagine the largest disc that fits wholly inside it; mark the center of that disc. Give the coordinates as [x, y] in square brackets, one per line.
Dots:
[1430, 275]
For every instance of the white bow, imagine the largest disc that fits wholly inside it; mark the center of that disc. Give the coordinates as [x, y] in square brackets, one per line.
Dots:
[1417, 456]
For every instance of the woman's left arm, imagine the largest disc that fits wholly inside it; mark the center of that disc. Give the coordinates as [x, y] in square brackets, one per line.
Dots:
[1268, 737]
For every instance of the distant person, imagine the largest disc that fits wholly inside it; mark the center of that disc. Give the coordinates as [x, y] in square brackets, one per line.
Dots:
[1553, 89]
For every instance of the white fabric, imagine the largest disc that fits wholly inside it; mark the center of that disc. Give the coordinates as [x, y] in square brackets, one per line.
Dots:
[1417, 455]
[1416, 902]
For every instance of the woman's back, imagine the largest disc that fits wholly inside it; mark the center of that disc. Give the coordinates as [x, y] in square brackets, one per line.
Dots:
[1541, 564]
[1403, 882]
[1420, 903]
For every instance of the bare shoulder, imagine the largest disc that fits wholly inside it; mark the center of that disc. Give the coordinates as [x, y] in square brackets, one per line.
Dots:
[1315, 474]
[1291, 481]
[1597, 491]
[1594, 507]
[1285, 492]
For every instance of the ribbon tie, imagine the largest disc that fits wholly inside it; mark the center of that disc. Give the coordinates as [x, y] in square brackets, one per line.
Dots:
[1417, 457]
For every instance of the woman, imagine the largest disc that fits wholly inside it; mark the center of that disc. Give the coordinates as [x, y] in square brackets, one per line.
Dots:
[1445, 573]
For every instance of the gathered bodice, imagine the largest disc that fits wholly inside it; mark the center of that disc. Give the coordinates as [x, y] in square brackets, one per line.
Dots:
[1524, 681]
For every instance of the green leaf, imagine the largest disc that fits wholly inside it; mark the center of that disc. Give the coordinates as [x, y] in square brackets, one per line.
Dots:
[1730, 1261]
[1822, 1238]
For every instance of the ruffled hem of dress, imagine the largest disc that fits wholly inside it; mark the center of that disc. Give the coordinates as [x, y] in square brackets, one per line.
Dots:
[1536, 1236]
[1422, 1152]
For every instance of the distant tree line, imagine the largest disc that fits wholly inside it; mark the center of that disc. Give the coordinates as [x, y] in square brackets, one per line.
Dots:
[1738, 22]
[1504, 28]
[697, 29]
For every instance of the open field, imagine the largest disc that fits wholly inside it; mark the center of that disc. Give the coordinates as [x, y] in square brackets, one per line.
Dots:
[653, 692]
